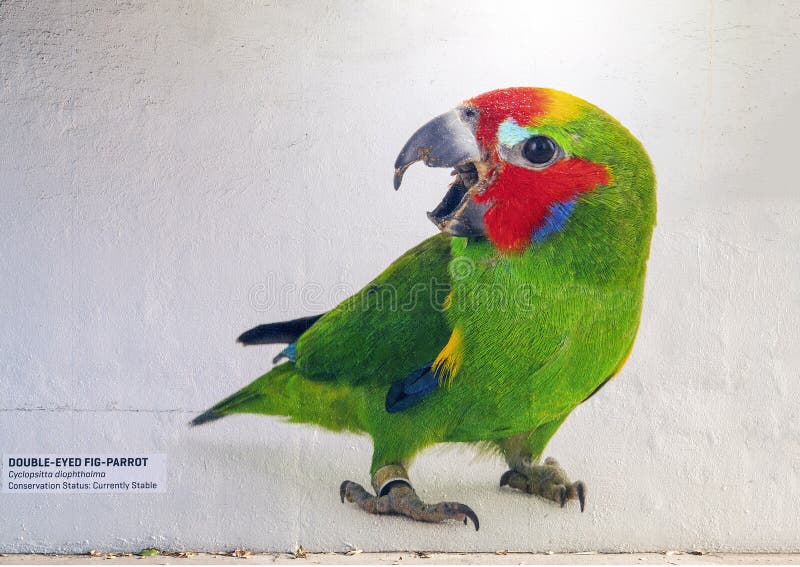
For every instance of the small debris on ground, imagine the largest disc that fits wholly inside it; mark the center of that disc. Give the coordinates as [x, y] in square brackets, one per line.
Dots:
[422, 555]
[299, 553]
[104, 555]
[241, 553]
[501, 552]
[354, 552]
[180, 554]
[149, 552]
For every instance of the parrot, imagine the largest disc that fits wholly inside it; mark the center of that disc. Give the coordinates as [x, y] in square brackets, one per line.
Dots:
[491, 332]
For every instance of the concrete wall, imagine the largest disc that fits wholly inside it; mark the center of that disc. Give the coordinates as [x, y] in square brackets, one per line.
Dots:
[174, 172]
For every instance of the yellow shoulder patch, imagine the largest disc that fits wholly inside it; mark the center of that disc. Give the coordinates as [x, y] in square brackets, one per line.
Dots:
[448, 301]
[450, 358]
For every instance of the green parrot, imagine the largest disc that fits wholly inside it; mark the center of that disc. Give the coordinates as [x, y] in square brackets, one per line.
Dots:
[523, 306]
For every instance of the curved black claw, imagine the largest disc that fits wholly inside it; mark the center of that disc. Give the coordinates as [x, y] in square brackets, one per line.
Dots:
[402, 500]
[470, 515]
[580, 488]
[448, 510]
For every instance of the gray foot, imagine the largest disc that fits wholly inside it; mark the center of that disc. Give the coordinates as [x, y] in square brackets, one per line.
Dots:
[398, 497]
[548, 481]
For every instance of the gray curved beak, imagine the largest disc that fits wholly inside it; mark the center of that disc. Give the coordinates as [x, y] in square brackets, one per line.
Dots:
[445, 141]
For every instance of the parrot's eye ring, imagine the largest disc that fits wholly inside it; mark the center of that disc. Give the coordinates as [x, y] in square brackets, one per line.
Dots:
[541, 151]
[536, 152]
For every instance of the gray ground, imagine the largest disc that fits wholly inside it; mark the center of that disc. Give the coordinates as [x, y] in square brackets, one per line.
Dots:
[403, 558]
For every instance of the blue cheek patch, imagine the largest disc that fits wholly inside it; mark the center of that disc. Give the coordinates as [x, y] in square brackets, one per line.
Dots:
[509, 133]
[554, 221]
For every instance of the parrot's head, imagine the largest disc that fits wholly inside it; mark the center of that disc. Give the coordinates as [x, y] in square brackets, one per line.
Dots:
[524, 160]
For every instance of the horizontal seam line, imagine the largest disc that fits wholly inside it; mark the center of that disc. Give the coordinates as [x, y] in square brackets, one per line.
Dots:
[103, 410]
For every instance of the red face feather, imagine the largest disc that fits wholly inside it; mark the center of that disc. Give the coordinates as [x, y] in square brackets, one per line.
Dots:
[520, 103]
[521, 198]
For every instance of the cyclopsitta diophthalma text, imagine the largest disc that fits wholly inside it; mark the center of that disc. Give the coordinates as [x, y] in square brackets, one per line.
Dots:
[545, 235]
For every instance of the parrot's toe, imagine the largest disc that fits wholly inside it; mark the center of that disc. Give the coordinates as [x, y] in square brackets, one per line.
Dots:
[548, 481]
[401, 499]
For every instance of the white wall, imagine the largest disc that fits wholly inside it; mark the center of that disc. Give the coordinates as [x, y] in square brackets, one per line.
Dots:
[161, 162]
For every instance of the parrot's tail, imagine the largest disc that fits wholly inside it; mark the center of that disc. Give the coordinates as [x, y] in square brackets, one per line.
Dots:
[284, 332]
[219, 410]
[283, 391]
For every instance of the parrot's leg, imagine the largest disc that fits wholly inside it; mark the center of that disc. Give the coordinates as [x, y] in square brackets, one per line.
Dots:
[395, 495]
[548, 480]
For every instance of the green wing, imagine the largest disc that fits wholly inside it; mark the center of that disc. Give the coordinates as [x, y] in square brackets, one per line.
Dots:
[388, 329]
[391, 327]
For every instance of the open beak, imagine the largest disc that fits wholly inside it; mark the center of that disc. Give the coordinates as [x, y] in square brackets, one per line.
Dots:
[448, 141]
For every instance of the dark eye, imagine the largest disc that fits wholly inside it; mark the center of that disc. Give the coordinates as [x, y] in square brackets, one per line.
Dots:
[539, 150]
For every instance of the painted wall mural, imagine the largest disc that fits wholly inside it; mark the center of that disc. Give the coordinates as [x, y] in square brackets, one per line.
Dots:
[545, 235]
